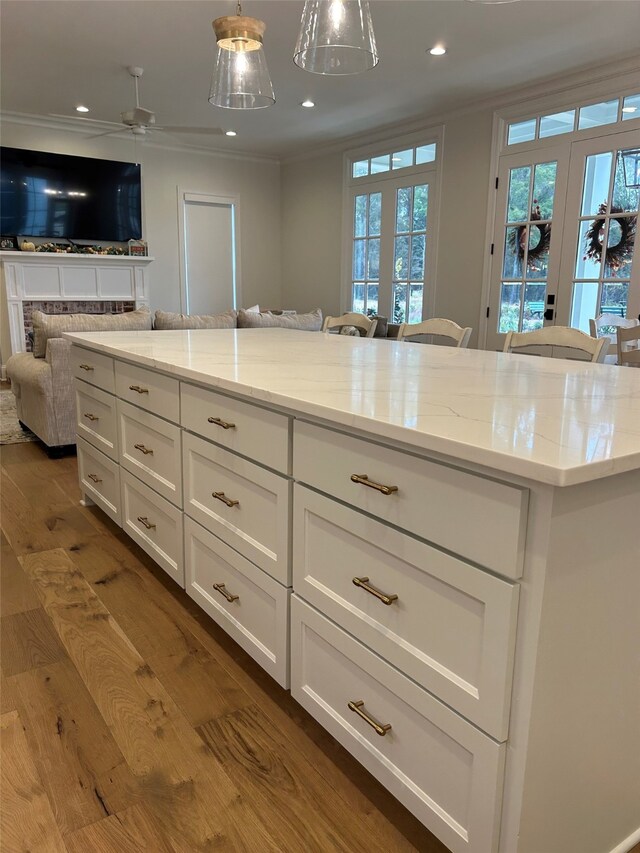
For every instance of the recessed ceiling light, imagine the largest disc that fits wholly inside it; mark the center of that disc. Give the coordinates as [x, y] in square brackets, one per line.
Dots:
[230, 133]
[629, 109]
[438, 50]
[308, 103]
[82, 109]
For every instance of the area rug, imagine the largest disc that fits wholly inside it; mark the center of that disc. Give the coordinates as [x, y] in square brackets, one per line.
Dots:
[10, 430]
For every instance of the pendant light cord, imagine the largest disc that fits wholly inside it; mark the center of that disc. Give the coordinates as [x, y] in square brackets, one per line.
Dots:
[238, 9]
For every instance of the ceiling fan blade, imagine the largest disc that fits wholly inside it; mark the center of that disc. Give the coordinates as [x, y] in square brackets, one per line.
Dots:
[215, 131]
[120, 129]
[89, 120]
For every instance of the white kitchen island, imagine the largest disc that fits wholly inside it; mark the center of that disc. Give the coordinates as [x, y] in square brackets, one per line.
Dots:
[438, 550]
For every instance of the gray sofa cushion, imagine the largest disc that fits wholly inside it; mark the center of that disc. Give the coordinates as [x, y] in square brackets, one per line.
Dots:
[169, 320]
[311, 322]
[47, 326]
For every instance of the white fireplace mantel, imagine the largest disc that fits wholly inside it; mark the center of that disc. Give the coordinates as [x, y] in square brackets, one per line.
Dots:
[31, 276]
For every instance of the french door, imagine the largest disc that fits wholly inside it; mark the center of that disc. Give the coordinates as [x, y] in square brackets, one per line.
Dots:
[564, 237]
[598, 273]
[392, 248]
[530, 214]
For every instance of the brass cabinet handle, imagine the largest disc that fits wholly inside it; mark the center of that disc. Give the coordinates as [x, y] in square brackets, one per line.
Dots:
[221, 497]
[94, 477]
[380, 728]
[221, 588]
[143, 449]
[363, 583]
[219, 422]
[364, 480]
[91, 417]
[144, 520]
[85, 367]
[139, 389]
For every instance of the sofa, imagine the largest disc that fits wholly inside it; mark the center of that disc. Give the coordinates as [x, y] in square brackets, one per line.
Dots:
[42, 380]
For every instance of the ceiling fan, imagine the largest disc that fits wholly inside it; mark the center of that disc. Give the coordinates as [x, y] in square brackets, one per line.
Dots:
[139, 120]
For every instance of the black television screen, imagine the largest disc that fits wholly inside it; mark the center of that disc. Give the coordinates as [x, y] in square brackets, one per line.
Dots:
[78, 198]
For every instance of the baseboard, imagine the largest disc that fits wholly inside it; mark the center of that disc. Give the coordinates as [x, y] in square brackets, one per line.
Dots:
[629, 843]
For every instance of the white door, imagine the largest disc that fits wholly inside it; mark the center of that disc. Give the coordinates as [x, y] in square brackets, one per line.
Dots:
[602, 211]
[525, 269]
[209, 254]
[393, 244]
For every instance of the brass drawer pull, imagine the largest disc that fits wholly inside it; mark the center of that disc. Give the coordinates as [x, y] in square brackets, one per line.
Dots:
[94, 477]
[219, 422]
[144, 520]
[91, 417]
[139, 389]
[381, 728]
[363, 583]
[364, 480]
[221, 497]
[85, 367]
[221, 588]
[143, 449]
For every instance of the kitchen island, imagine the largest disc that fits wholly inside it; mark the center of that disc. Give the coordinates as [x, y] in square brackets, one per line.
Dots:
[435, 549]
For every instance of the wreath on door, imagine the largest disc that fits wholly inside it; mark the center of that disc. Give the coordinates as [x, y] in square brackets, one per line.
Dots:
[620, 253]
[538, 250]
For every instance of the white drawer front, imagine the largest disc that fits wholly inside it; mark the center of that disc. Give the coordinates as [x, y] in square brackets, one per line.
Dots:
[100, 479]
[149, 390]
[154, 523]
[257, 433]
[96, 418]
[93, 367]
[257, 616]
[258, 524]
[480, 519]
[444, 770]
[452, 627]
[150, 449]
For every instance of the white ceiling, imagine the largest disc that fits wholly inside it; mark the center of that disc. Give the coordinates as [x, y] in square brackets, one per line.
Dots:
[58, 53]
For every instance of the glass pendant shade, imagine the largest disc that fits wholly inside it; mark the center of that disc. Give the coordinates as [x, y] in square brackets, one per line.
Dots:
[336, 37]
[241, 79]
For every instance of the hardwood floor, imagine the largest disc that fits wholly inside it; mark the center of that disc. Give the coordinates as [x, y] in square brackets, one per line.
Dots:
[131, 722]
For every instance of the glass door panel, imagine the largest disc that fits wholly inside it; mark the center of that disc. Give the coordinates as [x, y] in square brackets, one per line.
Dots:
[390, 257]
[528, 227]
[598, 269]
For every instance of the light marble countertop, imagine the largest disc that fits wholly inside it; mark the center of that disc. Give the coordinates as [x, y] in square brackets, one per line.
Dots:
[551, 420]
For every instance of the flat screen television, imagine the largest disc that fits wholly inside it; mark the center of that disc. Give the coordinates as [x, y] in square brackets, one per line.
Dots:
[77, 198]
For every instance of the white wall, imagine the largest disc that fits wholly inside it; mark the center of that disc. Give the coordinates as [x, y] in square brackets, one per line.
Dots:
[312, 234]
[312, 226]
[256, 182]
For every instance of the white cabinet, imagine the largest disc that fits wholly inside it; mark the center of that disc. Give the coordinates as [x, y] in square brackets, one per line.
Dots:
[440, 620]
[251, 606]
[96, 419]
[446, 771]
[99, 479]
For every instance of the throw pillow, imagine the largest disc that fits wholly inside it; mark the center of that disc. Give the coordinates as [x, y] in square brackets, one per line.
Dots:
[47, 326]
[169, 320]
[311, 322]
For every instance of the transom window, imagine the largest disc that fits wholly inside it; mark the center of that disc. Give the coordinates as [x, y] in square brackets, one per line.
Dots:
[583, 117]
[392, 161]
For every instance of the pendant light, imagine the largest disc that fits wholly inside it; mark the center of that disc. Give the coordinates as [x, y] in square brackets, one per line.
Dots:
[336, 37]
[241, 78]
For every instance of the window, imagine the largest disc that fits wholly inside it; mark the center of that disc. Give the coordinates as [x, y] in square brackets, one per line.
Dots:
[391, 240]
[584, 117]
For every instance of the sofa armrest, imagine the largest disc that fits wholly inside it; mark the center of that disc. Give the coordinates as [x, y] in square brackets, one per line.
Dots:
[58, 356]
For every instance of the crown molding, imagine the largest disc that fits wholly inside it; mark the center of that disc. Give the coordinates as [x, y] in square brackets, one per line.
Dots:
[555, 85]
[83, 129]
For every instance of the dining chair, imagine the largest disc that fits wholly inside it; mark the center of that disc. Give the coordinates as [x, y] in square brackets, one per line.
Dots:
[365, 325]
[605, 325]
[628, 343]
[563, 342]
[436, 327]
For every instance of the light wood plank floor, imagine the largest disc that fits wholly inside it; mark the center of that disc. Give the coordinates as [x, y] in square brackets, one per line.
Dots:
[131, 722]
